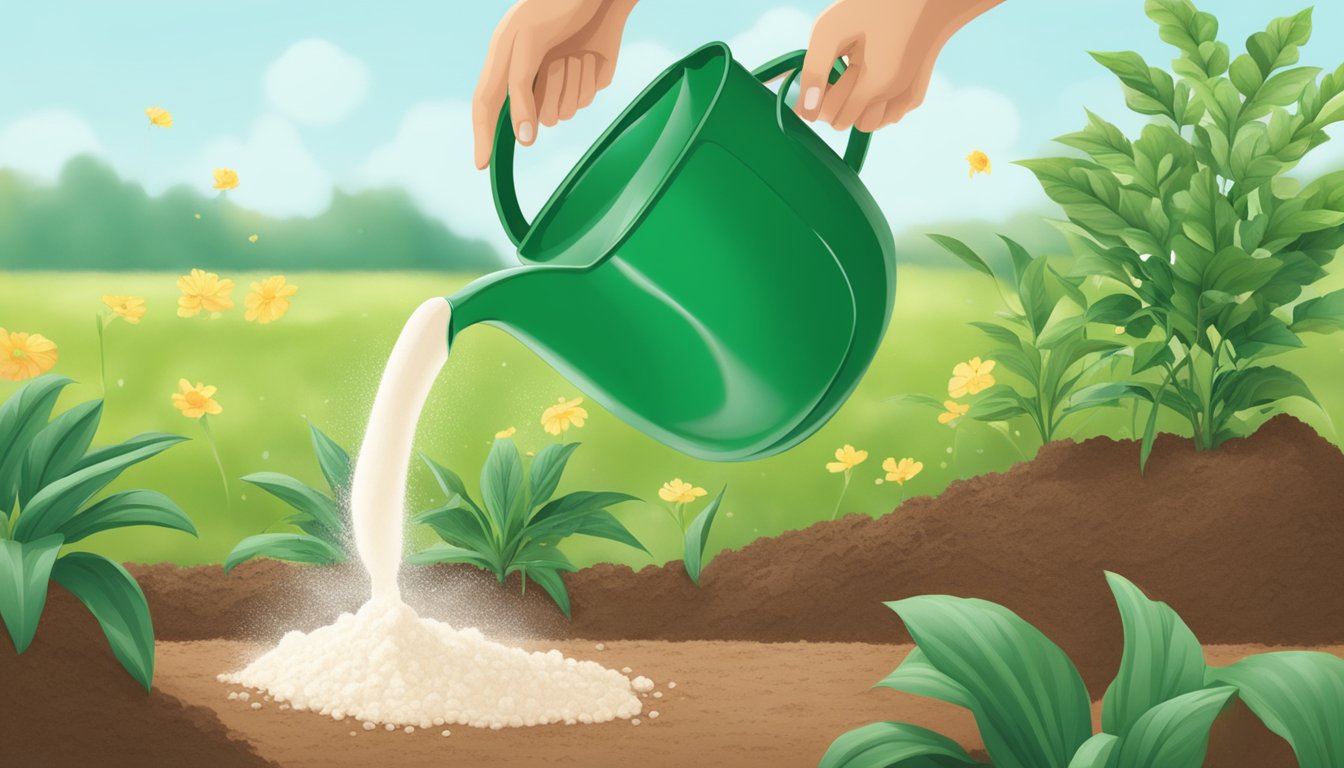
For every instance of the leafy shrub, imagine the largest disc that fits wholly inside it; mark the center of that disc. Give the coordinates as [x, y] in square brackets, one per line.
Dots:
[1199, 223]
[1032, 709]
[1042, 343]
[48, 478]
[517, 525]
[323, 535]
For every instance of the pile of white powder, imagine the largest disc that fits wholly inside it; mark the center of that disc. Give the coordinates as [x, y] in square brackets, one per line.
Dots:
[386, 665]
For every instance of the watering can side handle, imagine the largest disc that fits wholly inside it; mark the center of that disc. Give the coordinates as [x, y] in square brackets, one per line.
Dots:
[501, 179]
[792, 63]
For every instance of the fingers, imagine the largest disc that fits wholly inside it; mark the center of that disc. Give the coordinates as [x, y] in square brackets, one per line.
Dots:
[569, 97]
[524, 64]
[814, 78]
[837, 95]
[871, 119]
[548, 91]
[588, 80]
[491, 89]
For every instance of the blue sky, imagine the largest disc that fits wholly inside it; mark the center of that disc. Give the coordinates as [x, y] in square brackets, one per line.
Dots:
[382, 93]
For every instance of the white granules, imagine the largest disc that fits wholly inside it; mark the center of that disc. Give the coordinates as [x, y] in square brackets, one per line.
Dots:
[387, 665]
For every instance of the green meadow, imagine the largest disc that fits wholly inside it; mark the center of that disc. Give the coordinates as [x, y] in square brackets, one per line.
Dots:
[321, 364]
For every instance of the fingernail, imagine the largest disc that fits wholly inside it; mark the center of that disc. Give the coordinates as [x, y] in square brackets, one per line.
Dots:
[525, 133]
[811, 98]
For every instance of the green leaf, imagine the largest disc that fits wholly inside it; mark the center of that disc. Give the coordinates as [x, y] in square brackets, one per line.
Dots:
[312, 505]
[1162, 659]
[25, 569]
[1101, 395]
[547, 468]
[1298, 695]
[449, 481]
[334, 462]
[115, 600]
[582, 513]
[1037, 301]
[1148, 90]
[58, 447]
[503, 487]
[696, 540]
[1105, 143]
[1003, 404]
[1150, 354]
[997, 333]
[964, 252]
[541, 555]
[55, 504]
[1020, 257]
[1270, 336]
[1115, 309]
[1029, 701]
[1323, 314]
[463, 527]
[578, 503]
[22, 416]
[294, 547]
[1253, 387]
[1097, 752]
[128, 446]
[1175, 733]
[447, 553]
[555, 587]
[916, 675]
[894, 745]
[124, 510]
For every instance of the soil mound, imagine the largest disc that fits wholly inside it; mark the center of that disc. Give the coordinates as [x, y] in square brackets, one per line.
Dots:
[68, 702]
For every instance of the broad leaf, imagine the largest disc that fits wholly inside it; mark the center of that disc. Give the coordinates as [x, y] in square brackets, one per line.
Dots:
[1162, 659]
[449, 481]
[131, 445]
[1097, 752]
[696, 539]
[894, 745]
[503, 487]
[334, 462]
[447, 553]
[964, 252]
[1252, 387]
[1297, 694]
[22, 416]
[25, 569]
[294, 547]
[1028, 699]
[547, 468]
[56, 449]
[116, 601]
[583, 521]
[124, 510]
[462, 526]
[916, 675]
[555, 587]
[1175, 733]
[311, 504]
[1323, 314]
[55, 504]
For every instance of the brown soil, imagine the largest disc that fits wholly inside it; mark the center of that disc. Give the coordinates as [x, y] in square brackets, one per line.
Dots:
[1243, 543]
[739, 704]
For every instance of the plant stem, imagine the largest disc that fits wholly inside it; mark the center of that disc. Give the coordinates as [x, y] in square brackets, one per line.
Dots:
[843, 490]
[214, 449]
[102, 350]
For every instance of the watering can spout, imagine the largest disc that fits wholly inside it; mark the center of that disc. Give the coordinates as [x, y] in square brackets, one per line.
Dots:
[518, 300]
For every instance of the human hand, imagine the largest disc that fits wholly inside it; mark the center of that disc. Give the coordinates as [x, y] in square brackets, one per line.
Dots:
[549, 57]
[890, 46]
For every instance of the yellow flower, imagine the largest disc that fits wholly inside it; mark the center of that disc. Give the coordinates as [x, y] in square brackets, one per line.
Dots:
[225, 178]
[25, 355]
[160, 117]
[131, 308]
[503, 433]
[971, 377]
[846, 458]
[954, 411]
[1119, 330]
[251, 238]
[979, 162]
[203, 290]
[195, 402]
[680, 492]
[901, 472]
[269, 299]
[559, 417]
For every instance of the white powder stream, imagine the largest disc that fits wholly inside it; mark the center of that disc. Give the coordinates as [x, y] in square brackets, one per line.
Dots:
[387, 665]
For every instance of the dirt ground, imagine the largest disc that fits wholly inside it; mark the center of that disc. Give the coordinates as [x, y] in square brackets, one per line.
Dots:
[777, 654]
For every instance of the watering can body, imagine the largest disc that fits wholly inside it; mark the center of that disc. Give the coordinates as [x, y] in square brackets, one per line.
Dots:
[710, 271]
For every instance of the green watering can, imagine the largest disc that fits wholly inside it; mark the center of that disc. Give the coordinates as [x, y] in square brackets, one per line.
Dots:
[711, 271]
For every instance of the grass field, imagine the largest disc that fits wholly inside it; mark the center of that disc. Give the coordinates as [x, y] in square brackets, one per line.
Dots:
[322, 363]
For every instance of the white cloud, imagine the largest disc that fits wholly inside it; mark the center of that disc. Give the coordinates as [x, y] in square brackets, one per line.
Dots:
[276, 173]
[316, 83]
[40, 143]
[776, 32]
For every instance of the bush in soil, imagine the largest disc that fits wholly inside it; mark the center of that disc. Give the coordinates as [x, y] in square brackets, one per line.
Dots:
[1033, 712]
[1044, 343]
[48, 478]
[1199, 223]
[517, 525]
[323, 533]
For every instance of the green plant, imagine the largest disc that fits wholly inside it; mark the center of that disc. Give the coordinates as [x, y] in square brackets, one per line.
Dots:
[1033, 712]
[517, 525]
[48, 478]
[1043, 343]
[694, 537]
[1210, 240]
[322, 535]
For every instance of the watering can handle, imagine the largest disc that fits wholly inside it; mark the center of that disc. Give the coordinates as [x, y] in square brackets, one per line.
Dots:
[792, 63]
